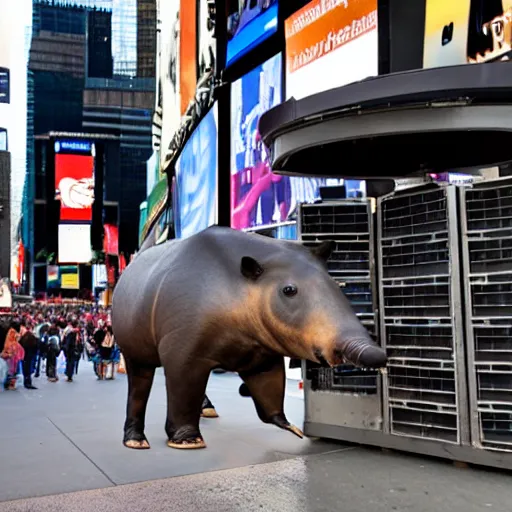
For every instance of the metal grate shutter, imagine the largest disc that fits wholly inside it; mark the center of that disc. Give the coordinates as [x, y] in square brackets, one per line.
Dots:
[349, 224]
[487, 250]
[421, 313]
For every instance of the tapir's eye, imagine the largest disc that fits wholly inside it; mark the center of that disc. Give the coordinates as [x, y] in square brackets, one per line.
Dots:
[290, 290]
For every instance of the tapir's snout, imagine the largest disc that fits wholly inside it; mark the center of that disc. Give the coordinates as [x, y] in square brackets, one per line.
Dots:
[360, 351]
[373, 357]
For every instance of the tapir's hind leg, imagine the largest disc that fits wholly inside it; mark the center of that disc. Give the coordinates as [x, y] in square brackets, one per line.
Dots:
[186, 388]
[267, 387]
[208, 409]
[140, 380]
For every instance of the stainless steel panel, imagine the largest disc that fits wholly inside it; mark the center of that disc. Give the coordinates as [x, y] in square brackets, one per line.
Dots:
[486, 212]
[421, 317]
[350, 224]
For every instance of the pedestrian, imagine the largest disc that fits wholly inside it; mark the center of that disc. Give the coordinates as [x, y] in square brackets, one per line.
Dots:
[13, 353]
[72, 346]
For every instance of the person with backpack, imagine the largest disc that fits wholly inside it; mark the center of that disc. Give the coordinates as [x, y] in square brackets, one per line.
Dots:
[72, 348]
[53, 352]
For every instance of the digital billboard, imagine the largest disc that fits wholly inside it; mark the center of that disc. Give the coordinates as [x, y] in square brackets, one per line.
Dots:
[330, 44]
[74, 186]
[188, 44]
[63, 277]
[249, 24]
[466, 31]
[4, 86]
[259, 197]
[75, 243]
[195, 193]
[169, 36]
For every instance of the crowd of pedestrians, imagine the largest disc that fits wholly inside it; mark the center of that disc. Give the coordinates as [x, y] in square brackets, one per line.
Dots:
[40, 339]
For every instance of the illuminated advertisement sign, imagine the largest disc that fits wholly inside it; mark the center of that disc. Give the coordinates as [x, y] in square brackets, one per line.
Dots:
[249, 24]
[465, 31]
[75, 243]
[62, 277]
[4, 86]
[195, 198]
[74, 186]
[73, 146]
[258, 196]
[330, 44]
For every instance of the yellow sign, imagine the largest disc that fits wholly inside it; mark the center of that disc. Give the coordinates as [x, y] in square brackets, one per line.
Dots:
[70, 281]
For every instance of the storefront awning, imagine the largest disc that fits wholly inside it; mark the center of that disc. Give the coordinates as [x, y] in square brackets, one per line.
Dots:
[396, 125]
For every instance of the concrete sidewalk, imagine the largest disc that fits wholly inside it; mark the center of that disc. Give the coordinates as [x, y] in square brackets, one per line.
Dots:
[67, 437]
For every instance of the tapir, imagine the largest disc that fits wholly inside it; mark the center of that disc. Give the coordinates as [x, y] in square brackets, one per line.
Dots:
[227, 299]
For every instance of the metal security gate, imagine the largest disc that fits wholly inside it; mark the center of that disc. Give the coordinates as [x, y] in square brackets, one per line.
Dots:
[486, 218]
[421, 317]
[345, 396]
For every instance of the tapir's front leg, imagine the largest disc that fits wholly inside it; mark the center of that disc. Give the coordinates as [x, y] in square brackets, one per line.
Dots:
[267, 386]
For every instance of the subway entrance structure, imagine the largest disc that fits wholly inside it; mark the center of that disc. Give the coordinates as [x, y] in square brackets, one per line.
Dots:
[428, 268]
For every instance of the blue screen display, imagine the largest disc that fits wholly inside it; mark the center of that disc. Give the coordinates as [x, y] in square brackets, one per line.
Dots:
[251, 23]
[195, 194]
[4, 86]
[258, 196]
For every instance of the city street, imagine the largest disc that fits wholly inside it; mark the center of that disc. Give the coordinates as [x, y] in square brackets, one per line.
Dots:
[65, 438]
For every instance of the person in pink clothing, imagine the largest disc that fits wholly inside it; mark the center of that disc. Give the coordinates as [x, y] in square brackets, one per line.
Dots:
[12, 353]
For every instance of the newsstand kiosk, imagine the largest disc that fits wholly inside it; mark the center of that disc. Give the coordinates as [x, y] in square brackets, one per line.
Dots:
[428, 268]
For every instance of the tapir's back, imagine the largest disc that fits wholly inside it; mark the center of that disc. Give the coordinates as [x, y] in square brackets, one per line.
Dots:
[169, 287]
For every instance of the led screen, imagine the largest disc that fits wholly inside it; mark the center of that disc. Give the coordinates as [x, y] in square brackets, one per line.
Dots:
[259, 197]
[195, 197]
[74, 186]
[75, 243]
[466, 31]
[330, 44]
[4, 85]
[250, 22]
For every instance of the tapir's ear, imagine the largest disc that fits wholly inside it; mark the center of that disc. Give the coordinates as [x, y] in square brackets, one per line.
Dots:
[250, 268]
[324, 250]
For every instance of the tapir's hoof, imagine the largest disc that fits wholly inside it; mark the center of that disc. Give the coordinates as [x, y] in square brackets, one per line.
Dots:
[137, 445]
[209, 412]
[187, 444]
[296, 430]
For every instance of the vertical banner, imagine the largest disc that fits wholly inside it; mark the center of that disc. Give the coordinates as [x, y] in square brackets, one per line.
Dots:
[188, 50]
[53, 277]
[111, 240]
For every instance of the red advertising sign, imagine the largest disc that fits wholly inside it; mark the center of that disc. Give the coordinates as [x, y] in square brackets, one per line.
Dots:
[74, 186]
